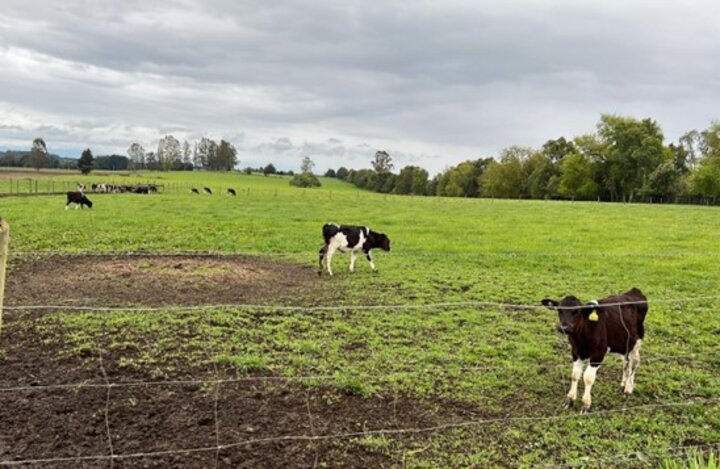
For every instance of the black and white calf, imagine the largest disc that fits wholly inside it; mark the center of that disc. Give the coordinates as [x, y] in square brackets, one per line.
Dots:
[231, 191]
[79, 199]
[352, 239]
[613, 324]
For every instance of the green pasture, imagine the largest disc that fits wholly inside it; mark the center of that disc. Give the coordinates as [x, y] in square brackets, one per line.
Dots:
[500, 363]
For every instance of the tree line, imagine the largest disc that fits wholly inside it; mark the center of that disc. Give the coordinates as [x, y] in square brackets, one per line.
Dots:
[626, 159]
[170, 155]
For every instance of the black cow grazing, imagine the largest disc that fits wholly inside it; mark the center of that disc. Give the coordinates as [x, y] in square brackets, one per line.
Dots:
[613, 324]
[79, 199]
[141, 190]
[194, 191]
[351, 239]
[232, 191]
[207, 189]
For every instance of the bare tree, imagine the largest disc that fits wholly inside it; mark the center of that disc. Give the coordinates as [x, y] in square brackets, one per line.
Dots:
[39, 157]
[382, 162]
[307, 165]
[168, 152]
[136, 152]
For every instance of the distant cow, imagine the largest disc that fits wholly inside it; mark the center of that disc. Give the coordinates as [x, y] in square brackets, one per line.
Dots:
[613, 324]
[141, 190]
[81, 187]
[194, 191]
[351, 239]
[232, 191]
[207, 189]
[79, 199]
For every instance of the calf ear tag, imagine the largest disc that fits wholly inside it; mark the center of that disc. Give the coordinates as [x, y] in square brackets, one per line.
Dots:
[593, 316]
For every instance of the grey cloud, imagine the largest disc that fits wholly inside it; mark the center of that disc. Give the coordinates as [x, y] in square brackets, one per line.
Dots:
[457, 79]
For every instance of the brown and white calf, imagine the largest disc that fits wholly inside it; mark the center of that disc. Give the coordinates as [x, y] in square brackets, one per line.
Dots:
[614, 324]
[353, 239]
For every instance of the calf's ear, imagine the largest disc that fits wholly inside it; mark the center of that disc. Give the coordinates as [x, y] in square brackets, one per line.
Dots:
[591, 310]
[549, 303]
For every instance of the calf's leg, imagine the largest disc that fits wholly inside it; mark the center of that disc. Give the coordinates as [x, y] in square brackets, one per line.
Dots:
[370, 259]
[589, 379]
[626, 371]
[574, 378]
[633, 363]
[322, 252]
[353, 258]
[328, 259]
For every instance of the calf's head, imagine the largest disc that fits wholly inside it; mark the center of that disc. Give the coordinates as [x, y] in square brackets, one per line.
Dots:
[571, 312]
[383, 242]
[86, 201]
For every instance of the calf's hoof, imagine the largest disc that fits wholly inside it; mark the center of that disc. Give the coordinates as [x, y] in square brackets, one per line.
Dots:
[568, 403]
[585, 409]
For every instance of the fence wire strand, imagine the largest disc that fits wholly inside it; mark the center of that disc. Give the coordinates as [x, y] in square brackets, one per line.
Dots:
[311, 252]
[332, 375]
[349, 307]
[359, 434]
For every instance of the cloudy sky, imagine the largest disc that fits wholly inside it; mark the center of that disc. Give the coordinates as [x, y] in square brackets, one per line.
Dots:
[433, 83]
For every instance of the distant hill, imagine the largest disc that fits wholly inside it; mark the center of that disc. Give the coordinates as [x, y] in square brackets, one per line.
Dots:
[19, 158]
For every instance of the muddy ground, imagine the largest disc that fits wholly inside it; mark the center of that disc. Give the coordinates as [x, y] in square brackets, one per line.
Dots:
[147, 280]
[56, 423]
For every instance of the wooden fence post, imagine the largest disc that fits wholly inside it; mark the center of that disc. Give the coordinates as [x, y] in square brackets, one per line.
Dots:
[4, 246]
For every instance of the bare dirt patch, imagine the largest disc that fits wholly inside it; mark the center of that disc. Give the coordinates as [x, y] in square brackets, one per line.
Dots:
[256, 422]
[154, 280]
[254, 418]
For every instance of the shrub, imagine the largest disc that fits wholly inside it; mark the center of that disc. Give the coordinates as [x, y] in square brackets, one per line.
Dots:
[305, 180]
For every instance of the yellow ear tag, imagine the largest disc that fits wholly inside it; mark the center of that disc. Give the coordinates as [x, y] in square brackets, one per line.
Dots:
[593, 316]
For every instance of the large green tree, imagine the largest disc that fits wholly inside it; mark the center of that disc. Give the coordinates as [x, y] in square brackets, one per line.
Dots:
[411, 180]
[576, 177]
[634, 149]
[705, 179]
[225, 157]
[86, 161]
[508, 178]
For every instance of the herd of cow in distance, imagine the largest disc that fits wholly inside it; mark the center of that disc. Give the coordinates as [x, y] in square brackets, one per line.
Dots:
[614, 324]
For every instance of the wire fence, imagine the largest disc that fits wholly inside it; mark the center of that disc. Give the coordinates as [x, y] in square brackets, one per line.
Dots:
[311, 251]
[335, 374]
[355, 307]
[356, 434]
[217, 383]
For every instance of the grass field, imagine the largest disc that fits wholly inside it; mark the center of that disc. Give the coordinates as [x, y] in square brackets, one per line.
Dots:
[500, 367]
